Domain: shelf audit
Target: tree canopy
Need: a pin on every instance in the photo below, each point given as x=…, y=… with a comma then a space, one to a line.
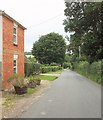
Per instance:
x=50, y=48
x=27, y=53
x=84, y=19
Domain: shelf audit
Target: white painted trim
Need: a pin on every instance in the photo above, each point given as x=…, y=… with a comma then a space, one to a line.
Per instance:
x=16, y=65
x=16, y=58
x=16, y=35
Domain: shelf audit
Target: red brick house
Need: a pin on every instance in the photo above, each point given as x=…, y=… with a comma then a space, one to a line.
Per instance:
x=11, y=48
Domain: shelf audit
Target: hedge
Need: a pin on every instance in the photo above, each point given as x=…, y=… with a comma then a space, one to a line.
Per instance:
x=91, y=71
x=67, y=65
x=32, y=68
x=45, y=69
x=95, y=71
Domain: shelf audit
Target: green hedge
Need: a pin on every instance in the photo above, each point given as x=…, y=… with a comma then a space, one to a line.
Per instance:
x=32, y=68
x=82, y=67
x=95, y=71
x=37, y=68
x=46, y=69
x=91, y=71
x=102, y=72
x=66, y=65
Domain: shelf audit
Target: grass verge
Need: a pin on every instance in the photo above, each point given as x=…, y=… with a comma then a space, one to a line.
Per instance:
x=31, y=90
x=49, y=78
x=56, y=72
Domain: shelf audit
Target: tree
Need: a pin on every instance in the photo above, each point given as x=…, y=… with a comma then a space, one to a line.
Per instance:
x=85, y=20
x=32, y=59
x=50, y=48
x=27, y=53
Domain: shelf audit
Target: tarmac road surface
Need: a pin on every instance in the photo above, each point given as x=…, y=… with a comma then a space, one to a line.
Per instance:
x=70, y=96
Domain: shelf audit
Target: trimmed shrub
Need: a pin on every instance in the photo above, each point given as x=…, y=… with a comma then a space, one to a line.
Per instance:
x=66, y=65
x=95, y=71
x=37, y=69
x=46, y=69
x=83, y=67
x=32, y=68
x=92, y=71
x=60, y=68
x=102, y=72
x=33, y=81
x=28, y=69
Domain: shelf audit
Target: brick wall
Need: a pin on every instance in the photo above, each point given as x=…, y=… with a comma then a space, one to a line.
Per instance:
x=9, y=49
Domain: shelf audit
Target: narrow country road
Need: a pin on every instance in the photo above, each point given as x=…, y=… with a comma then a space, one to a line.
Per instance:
x=70, y=96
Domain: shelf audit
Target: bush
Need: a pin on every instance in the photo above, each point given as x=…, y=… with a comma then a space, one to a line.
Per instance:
x=32, y=68
x=28, y=69
x=37, y=69
x=60, y=68
x=17, y=80
x=92, y=71
x=66, y=65
x=54, y=64
x=95, y=71
x=46, y=69
x=102, y=72
x=83, y=67
x=33, y=81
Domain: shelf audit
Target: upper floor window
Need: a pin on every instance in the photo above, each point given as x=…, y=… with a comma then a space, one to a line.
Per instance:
x=15, y=34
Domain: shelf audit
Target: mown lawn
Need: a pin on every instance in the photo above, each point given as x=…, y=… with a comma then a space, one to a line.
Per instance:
x=45, y=77
x=56, y=72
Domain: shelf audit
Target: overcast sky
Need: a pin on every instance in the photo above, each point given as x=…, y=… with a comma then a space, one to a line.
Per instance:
x=40, y=17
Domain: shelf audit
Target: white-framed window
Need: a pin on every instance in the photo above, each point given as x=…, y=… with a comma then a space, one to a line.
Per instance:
x=15, y=63
x=15, y=34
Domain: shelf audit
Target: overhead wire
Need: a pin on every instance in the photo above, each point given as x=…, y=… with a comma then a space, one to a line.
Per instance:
x=45, y=21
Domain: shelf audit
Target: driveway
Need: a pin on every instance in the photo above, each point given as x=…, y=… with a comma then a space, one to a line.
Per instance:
x=70, y=96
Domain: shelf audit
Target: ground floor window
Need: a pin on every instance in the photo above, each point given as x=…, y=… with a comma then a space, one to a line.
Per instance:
x=15, y=63
x=15, y=66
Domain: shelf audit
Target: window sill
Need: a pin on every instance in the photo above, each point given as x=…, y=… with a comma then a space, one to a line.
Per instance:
x=15, y=44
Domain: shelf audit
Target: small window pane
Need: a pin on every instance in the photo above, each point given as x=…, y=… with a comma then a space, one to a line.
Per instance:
x=15, y=39
x=14, y=70
x=15, y=66
x=14, y=30
x=14, y=63
x=15, y=34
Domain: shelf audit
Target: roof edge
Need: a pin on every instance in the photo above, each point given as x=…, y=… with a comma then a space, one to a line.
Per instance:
x=6, y=15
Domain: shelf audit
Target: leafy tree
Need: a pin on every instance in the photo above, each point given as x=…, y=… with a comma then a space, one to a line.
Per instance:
x=84, y=19
x=27, y=53
x=32, y=59
x=49, y=49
